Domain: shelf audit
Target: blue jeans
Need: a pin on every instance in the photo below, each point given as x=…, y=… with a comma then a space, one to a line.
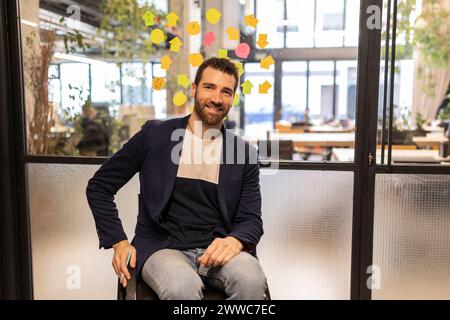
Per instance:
x=176, y=275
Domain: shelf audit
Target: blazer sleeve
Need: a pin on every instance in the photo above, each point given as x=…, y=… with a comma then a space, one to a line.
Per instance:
x=247, y=225
x=106, y=182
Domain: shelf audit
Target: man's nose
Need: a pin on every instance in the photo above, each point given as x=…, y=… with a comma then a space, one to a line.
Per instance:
x=216, y=97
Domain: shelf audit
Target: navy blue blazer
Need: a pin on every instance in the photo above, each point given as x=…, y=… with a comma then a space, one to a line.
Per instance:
x=149, y=152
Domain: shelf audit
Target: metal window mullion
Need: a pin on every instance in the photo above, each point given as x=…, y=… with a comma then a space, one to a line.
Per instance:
x=385, y=87
x=391, y=82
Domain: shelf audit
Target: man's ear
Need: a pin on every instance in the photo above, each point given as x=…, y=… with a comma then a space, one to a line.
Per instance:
x=193, y=90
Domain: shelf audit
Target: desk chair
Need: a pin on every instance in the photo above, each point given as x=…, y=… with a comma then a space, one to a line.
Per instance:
x=139, y=290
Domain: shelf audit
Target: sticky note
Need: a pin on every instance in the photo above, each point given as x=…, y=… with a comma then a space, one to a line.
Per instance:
x=209, y=38
x=263, y=88
x=251, y=21
x=148, y=18
x=193, y=28
x=267, y=62
x=240, y=67
x=158, y=83
x=233, y=33
x=222, y=53
x=175, y=44
x=247, y=87
x=166, y=62
x=242, y=50
x=195, y=59
x=262, y=41
x=236, y=99
x=183, y=80
x=213, y=16
x=172, y=19
x=179, y=99
x=157, y=36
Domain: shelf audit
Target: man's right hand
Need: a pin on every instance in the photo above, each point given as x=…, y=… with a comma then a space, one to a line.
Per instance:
x=121, y=251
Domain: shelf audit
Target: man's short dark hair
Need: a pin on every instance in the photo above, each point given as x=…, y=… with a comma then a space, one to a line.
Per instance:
x=221, y=64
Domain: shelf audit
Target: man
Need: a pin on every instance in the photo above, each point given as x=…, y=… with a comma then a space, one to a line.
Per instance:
x=199, y=217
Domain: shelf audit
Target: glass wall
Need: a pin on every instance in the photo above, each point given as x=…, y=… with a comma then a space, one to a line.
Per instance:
x=411, y=243
x=305, y=251
x=101, y=78
x=415, y=83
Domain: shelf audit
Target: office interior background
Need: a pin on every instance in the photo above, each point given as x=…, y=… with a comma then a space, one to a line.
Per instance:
x=355, y=93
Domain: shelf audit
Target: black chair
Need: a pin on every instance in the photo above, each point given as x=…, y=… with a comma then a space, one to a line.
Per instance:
x=139, y=290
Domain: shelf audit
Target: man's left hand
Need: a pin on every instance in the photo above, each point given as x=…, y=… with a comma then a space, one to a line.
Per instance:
x=220, y=251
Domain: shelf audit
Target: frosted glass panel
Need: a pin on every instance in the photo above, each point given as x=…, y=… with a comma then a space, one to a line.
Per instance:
x=305, y=250
x=412, y=236
x=67, y=263
x=306, y=247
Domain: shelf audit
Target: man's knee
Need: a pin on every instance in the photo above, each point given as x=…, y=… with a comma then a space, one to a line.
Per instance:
x=187, y=288
x=246, y=278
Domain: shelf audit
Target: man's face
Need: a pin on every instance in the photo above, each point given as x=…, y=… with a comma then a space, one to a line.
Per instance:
x=213, y=96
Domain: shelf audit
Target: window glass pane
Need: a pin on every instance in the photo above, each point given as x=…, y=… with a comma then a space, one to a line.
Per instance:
x=133, y=84
x=74, y=86
x=300, y=15
x=258, y=107
x=105, y=79
x=329, y=23
x=352, y=23
x=159, y=97
x=271, y=16
x=294, y=86
x=320, y=95
x=346, y=89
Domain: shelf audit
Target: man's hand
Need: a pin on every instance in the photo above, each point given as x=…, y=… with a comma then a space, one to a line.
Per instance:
x=220, y=251
x=121, y=251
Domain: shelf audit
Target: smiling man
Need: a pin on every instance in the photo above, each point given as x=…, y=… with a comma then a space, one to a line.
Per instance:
x=200, y=214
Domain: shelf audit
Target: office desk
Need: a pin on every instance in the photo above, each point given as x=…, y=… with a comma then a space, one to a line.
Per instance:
x=398, y=156
x=431, y=140
x=320, y=140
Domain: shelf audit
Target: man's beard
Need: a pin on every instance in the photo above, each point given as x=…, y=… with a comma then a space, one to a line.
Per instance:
x=207, y=118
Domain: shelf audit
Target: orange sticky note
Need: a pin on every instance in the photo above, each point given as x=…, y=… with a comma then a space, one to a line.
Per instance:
x=195, y=59
x=158, y=83
x=193, y=28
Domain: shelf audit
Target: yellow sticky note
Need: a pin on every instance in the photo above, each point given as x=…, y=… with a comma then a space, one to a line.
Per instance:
x=183, y=80
x=195, y=59
x=175, y=44
x=179, y=99
x=213, y=16
x=166, y=62
x=172, y=19
x=193, y=28
x=157, y=36
x=247, y=87
x=222, y=53
x=158, y=83
x=233, y=33
x=240, y=67
x=148, y=18
x=236, y=99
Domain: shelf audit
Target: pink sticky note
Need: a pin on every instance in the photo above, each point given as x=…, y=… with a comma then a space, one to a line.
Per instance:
x=209, y=38
x=242, y=50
